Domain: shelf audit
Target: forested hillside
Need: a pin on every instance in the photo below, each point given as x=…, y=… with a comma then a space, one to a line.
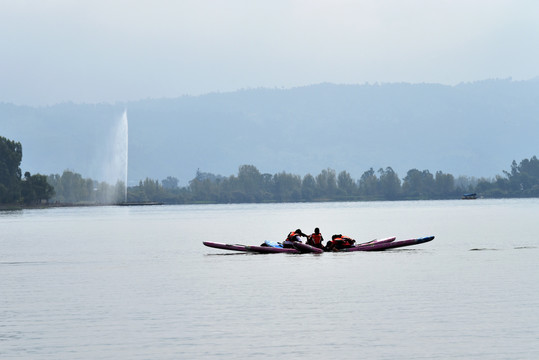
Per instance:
x=472, y=129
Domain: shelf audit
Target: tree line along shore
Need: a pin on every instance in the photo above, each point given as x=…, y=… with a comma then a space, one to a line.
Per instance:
x=249, y=185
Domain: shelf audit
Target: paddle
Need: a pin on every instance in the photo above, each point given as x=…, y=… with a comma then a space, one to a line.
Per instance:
x=367, y=242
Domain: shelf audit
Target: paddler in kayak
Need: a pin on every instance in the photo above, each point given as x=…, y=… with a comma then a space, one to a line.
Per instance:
x=315, y=239
x=339, y=242
x=294, y=236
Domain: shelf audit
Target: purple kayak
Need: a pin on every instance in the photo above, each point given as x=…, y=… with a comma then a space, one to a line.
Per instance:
x=394, y=244
x=250, y=248
x=301, y=248
x=271, y=250
x=306, y=248
x=359, y=247
x=235, y=247
x=374, y=245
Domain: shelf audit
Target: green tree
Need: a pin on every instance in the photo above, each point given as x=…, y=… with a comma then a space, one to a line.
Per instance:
x=151, y=190
x=10, y=172
x=501, y=187
x=389, y=184
x=418, y=184
x=267, y=187
x=170, y=183
x=250, y=182
x=136, y=193
x=346, y=184
x=308, y=187
x=465, y=184
x=524, y=177
x=73, y=187
x=484, y=186
x=287, y=187
x=35, y=189
x=206, y=187
x=444, y=185
x=368, y=185
x=326, y=183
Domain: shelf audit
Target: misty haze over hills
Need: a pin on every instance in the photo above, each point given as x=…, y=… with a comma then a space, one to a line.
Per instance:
x=473, y=129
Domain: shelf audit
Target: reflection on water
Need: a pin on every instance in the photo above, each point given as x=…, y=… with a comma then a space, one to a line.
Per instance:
x=137, y=283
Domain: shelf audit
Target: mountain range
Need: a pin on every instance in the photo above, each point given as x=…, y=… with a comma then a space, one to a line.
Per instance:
x=472, y=129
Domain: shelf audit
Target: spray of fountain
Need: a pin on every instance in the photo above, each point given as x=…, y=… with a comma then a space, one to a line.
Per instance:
x=126, y=151
x=115, y=169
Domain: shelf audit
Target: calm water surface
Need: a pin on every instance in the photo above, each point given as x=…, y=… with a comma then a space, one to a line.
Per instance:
x=137, y=283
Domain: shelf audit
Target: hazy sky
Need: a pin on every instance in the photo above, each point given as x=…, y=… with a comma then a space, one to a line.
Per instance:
x=94, y=51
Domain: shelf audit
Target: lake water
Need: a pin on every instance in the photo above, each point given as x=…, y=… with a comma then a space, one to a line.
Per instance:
x=137, y=283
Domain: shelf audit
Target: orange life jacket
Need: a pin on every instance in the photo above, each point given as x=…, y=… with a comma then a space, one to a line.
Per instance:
x=345, y=240
x=292, y=236
x=316, y=238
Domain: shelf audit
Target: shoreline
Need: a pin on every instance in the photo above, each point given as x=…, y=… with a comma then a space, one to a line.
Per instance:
x=8, y=207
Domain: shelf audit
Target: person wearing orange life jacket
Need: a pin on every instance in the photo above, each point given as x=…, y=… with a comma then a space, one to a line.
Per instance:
x=294, y=236
x=315, y=239
x=339, y=242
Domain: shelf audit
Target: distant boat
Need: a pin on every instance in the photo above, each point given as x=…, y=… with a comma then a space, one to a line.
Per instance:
x=472, y=196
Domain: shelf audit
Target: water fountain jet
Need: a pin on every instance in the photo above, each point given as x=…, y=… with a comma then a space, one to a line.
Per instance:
x=115, y=169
